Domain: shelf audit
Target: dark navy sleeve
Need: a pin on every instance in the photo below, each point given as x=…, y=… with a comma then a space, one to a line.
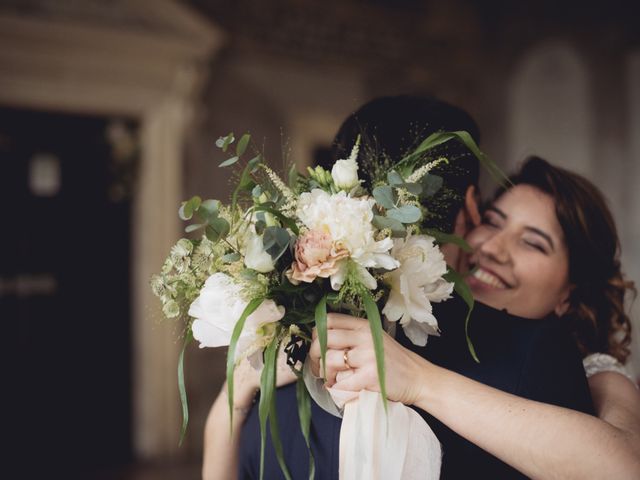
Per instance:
x=325, y=437
x=553, y=372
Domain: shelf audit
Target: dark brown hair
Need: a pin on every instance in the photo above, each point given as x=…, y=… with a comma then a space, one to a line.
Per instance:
x=596, y=303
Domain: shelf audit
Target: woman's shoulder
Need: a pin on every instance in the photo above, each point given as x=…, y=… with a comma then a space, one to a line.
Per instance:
x=603, y=362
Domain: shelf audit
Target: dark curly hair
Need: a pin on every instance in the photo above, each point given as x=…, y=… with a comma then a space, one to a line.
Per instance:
x=596, y=303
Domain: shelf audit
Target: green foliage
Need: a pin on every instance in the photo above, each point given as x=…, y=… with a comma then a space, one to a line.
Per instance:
x=267, y=408
x=231, y=353
x=431, y=184
x=276, y=241
x=224, y=142
x=375, y=323
x=229, y=161
x=304, y=414
x=462, y=289
x=385, y=196
x=321, y=326
x=181, y=386
x=396, y=227
x=405, y=214
x=443, y=238
x=242, y=144
x=186, y=210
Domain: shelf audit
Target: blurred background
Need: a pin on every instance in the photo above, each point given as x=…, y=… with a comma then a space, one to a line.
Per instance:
x=109, y=110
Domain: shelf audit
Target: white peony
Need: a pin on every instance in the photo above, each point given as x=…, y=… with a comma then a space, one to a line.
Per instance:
x=255, y=256
x=414, y=285
x=348, y=221
x=217, y=310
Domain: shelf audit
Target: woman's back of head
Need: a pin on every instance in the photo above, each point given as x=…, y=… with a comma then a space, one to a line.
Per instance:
x=391, y=127
x=596, y=303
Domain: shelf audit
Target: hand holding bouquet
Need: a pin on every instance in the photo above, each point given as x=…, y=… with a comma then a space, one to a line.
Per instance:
x=269, y=264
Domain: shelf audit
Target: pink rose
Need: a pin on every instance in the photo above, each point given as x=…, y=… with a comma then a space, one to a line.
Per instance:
x=316, y=256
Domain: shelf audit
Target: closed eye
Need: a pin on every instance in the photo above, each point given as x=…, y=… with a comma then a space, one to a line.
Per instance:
x=536, y=246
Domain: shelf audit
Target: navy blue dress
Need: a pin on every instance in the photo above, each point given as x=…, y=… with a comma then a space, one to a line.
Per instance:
x=534, y=359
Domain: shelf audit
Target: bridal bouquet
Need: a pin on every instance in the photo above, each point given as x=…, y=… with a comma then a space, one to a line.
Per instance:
x=266, y=267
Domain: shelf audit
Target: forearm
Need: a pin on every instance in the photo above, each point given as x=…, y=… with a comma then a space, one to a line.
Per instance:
x=540, y=440
x=222, y=443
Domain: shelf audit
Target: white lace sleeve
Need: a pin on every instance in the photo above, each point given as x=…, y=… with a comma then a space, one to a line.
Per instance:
x=602, y=362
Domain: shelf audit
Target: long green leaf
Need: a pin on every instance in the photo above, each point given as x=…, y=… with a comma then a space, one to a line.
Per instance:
x=181, y=387
x=273, y=419
x=462, y=289
x=375, y=323
x=304, y=414
x=442, y=238
x=249, y=309
x=321, y=325
x=439, y=138
x=267, y=404
x=497, y=174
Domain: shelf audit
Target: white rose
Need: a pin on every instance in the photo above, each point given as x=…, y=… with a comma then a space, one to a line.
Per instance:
x=255, y=256
x=414, y=285
x=345, y=174
x=219, y=307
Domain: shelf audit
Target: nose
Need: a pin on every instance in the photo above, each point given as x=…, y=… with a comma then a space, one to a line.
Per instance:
x=496, y=247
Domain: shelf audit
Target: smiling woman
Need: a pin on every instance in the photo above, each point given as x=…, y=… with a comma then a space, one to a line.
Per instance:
x=549, y=244
x=520, y=257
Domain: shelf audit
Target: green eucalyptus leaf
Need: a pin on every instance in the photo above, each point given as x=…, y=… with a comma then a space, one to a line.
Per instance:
x=209, y=210
x=242, y=144
x=394, y=178
x=217, y=229
x=394, y=225
x=431, y=184
x=257, y=191
x=184, y=212
x=275, y=241
x=194, y=227
x=229, y=161
x=385, y=196
x=189, y=207
x=231, y=257
x=375, y=323
x=405, y=214
x=224, y=142
x=462, y=288
x=413, y=188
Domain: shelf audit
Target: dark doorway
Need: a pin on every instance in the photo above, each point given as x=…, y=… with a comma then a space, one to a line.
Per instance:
x=64, y=296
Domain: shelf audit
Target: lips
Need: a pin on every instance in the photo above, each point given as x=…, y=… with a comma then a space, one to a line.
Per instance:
x=489, y=278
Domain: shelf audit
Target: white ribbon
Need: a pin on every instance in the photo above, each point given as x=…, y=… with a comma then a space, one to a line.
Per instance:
x=374, y=445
